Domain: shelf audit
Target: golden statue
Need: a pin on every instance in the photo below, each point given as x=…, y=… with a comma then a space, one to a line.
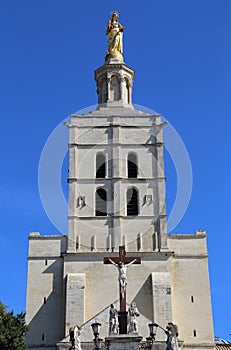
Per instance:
x=114, y=34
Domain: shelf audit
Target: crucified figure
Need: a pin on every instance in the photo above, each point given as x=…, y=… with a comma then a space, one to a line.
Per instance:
x=122, y=268
x=122, y=262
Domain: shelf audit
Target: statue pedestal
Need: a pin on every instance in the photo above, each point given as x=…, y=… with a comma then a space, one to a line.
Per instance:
x=123, y=342
x=123, y=322
x=114, y=55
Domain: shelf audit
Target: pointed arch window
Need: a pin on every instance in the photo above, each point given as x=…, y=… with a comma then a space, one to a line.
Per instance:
x=100, y=166
x=132, y=165
x=132, y=201
x=101, y=202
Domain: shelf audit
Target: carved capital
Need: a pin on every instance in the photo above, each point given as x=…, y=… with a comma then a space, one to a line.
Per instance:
x=121, y=79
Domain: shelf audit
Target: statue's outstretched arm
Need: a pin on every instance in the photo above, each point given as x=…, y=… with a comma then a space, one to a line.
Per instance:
x=132, y=262
x=113, y=262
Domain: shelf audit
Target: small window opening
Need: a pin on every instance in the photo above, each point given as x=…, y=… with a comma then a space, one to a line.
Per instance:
x=192, y=299
x=194, y=333
x=101, y=202
x=132, y=202
x=44, y=300
x=132, y=165
x=100, y=166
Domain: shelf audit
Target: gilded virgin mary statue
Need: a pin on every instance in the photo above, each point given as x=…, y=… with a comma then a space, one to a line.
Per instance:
x=114, y=34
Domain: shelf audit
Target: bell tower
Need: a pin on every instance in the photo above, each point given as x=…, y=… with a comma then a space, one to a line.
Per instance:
x=116, y=171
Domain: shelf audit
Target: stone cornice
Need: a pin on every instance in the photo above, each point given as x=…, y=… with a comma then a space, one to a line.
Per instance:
x=112, y=113
x=197, y=235
x=113, y=67
x=44, y=237
x=106, y=123
x=123, y=145
x=45, y=257
x=124, y=217
x=123, y=179
x=190, y=256
x=94, y=254
x=199, y=345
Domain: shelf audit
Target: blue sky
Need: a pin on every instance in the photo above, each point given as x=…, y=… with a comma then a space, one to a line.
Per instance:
x=180, y=51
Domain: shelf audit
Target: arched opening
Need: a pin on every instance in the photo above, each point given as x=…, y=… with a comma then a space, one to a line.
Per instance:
x=104, y=92
x=114, y=89
x=100, y=166
x=126, y=93
x=101, y=202
x=132, y=165
x=132, y=202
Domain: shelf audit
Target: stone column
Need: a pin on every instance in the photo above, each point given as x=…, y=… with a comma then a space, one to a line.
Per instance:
x=122, y=90
x=129, y=87
x=159, y=174
x=75, y=299
x=108, y=89
x=72, y=203
x=161, y=293
x=116, y=173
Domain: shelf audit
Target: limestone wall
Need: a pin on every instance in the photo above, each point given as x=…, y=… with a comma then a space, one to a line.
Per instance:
x=45, y=293
x=191, y=288
x=76, y=288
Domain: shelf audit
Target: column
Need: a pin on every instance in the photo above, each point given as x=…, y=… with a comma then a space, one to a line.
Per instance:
x=161, y=294
x=75, y=299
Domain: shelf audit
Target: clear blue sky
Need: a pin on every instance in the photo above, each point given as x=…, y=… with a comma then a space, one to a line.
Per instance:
x=181, y=53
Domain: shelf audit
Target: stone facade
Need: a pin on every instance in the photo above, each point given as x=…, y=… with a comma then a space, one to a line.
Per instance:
x=117, y=197
x=116, y=137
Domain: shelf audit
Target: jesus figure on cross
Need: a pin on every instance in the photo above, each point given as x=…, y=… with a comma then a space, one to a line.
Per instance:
x=122, y=262
x=122, y=268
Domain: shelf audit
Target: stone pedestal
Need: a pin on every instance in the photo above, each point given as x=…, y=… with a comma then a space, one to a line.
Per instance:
x=123, y=342
x=123, y=325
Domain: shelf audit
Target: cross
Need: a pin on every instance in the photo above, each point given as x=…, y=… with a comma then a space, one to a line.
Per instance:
x=121, y=263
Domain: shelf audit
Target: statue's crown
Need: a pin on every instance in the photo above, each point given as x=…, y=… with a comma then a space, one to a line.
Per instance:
x=114, y=12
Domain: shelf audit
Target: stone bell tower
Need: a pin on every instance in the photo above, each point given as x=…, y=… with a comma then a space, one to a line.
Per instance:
x=116, y=163
x=117, y=199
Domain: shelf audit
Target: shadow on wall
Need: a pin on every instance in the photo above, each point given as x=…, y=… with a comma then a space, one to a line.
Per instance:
x=145, y=294
x=47, y=326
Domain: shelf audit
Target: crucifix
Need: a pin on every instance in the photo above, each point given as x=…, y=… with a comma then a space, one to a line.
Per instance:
x=122, y=262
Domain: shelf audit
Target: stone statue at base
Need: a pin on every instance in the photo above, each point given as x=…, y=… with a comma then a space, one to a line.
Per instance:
x=113, y=320
x=74, y=333
x=133, y=312
x=172, y=334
